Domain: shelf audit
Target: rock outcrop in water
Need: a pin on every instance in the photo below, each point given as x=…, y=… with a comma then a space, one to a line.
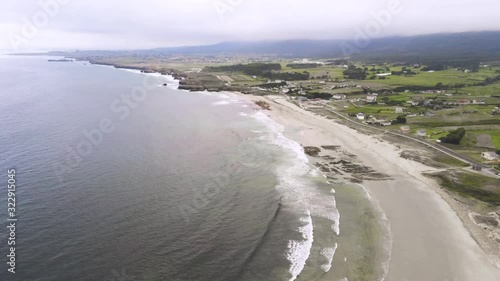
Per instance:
x=312, y=150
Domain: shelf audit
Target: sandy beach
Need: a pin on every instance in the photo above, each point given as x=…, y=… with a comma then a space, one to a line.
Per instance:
x=429, y=240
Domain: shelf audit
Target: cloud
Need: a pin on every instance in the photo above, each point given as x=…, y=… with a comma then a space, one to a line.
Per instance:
x=114, y=24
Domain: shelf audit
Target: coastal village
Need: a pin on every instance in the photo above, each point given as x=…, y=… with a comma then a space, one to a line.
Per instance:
x=410, y=105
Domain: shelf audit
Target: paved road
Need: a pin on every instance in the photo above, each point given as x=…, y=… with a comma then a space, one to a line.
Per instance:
x=435, y=146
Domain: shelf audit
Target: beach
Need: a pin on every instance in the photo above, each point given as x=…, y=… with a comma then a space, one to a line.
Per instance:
x=217, y=186
x=429, y=241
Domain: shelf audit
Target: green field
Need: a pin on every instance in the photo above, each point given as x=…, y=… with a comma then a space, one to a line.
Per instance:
x=471, y=137
x=472, y=185
x=447, y=77
x=483, y=91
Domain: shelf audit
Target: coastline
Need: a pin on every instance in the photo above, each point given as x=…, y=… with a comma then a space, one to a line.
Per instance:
x=432, y=238
x=430, y=241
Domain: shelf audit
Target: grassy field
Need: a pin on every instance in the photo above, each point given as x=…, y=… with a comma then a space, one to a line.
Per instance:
x=447, y=77
x=471, y=138
x=453, y=162
x=380, y=111
x=482, y=91
x=471, y=185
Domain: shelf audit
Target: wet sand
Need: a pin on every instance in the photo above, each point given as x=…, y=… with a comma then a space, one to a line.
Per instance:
x=429, y=241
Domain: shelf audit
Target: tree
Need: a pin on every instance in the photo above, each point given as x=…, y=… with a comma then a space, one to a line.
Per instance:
x=401, y=119
x=355, y=73
x=454, y=137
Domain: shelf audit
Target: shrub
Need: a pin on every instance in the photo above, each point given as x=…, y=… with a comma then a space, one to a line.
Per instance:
x=454, y=137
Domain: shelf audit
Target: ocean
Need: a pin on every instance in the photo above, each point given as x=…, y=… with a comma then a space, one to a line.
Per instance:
x=122, y=178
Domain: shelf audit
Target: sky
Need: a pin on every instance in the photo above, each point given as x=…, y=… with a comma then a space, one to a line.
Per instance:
x=41, y=25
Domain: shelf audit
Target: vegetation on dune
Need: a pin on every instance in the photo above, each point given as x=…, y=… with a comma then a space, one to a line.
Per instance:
x=471, y=185
x=448, y=160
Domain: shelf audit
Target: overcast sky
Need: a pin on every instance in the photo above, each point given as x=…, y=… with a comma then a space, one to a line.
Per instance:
x=127, y=24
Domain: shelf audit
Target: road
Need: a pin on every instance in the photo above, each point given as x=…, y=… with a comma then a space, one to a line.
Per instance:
x=432, y=145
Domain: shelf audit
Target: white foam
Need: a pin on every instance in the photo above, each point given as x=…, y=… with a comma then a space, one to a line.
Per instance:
x=130, y=70
x=220, y=95
x=222, y=102
x=299, y=191
x=225, y=100
x=314, y=172
x=243, y=114
x=366, y=192
x=387, y=243
x=299, y=251
x=328, y=253
x=172, y=83
x=336, y=214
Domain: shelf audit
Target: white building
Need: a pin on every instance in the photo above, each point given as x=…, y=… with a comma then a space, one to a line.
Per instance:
x=339, y=97
x=490, y=156
x=371, y=98
x=404, y=129
x=421, y=133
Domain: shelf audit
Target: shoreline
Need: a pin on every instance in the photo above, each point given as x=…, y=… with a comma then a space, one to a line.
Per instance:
x=442, y=231
x=430, y=239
